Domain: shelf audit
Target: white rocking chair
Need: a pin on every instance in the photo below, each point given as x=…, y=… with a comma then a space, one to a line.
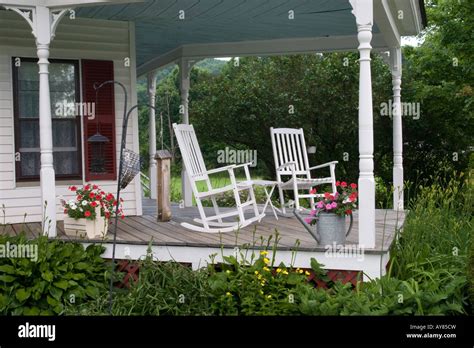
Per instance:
x=291, y=160
x=196, y=171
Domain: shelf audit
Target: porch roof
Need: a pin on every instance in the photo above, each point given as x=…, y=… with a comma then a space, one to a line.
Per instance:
x=213, y=28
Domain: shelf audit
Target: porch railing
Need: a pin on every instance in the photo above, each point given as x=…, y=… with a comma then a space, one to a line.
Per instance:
x=145, y=182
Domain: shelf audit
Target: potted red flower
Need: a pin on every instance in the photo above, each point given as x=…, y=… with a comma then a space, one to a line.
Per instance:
x=329, y=214
x=89, y=212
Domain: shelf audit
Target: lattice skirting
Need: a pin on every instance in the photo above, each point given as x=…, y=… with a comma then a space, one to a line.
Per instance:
x=131, y=270
x=343, y=276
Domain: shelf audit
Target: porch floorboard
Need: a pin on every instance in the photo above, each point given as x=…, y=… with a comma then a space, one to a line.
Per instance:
x=141, y=230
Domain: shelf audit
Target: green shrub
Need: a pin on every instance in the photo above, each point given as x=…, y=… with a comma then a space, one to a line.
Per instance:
x=436, y=239
x=58, y=274
x=471, y=274
x=437, y=231
x=387, y=296
x=163, y=288
x=383, y=194
x=257, y=288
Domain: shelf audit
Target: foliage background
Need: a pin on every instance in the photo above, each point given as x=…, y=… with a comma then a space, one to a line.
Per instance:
x=235, y=103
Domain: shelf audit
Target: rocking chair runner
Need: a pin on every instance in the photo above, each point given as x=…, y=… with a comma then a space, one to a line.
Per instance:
x=291, y=160
x=196, y=171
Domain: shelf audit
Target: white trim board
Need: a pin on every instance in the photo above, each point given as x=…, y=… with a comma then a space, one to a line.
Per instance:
x=260, y=48
x=199, y=257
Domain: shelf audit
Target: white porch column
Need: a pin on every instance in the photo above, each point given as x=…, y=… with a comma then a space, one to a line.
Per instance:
x=152, y=133
x=396, y=70
x=185, y=67
x=363, y=11
x=43, y=22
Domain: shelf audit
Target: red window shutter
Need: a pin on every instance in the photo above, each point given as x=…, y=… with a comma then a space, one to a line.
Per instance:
x=96, y=72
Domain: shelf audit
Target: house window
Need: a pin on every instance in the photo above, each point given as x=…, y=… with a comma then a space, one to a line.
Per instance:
x=64, y=92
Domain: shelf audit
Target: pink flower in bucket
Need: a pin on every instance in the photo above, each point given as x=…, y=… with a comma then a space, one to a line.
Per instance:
x=341, y=202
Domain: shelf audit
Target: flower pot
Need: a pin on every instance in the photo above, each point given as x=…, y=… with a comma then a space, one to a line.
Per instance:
x=101, y=227
x=93, y=229
x=331, y=228
x=78, y=227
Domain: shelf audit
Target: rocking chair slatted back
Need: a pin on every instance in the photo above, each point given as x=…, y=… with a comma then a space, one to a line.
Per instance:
x=191, y=152
x=289, y=146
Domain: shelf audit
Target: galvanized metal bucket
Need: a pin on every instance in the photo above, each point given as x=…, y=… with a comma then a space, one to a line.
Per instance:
x=330, y=228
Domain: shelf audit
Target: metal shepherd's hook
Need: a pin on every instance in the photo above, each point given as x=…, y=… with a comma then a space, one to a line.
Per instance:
x=126, y=116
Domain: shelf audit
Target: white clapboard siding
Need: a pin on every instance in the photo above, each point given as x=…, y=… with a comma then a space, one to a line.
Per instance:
x=75, y=39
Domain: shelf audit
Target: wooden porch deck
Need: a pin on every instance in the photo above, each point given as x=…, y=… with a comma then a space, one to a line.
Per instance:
x=140, y=230
x=170, y=241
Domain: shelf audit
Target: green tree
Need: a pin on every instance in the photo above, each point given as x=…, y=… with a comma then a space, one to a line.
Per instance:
x=439, y=75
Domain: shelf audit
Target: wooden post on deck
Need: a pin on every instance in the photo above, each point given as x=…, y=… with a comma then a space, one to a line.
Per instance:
x=163, y=165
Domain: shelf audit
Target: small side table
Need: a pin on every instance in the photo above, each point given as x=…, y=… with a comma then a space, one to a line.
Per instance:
x=268, y=185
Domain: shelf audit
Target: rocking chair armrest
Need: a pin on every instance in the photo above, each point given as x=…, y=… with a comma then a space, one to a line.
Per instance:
x=324, y=165
x=287, y=164
x=235, y=166
x=220, y=169
x=229, y=167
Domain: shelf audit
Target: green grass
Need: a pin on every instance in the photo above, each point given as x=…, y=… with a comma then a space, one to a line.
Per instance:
x=434, y=247
x=217, y=181
x=438, y=229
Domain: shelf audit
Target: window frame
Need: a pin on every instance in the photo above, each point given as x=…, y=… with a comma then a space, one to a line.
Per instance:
x=16, y=124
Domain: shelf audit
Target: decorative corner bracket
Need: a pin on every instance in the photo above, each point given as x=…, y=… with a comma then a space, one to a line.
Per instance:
x=28, y=14
x=363, y=10
x=34, y=16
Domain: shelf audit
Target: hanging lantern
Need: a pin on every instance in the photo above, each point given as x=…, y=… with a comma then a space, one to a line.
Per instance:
x=97, y=151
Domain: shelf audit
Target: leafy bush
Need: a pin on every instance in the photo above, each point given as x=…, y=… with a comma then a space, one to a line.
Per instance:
x=471, y=274
x=58, y=274
x=436, y=239
x=437, y=231
x=258, y=288
x=387, y=296
x=163, y=288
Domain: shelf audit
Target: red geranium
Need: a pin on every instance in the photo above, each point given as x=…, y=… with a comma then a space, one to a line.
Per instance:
x=353, y=186
x=89, y=201
x=343, y=184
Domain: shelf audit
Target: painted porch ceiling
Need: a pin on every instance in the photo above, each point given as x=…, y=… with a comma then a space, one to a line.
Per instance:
x=159, y=29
